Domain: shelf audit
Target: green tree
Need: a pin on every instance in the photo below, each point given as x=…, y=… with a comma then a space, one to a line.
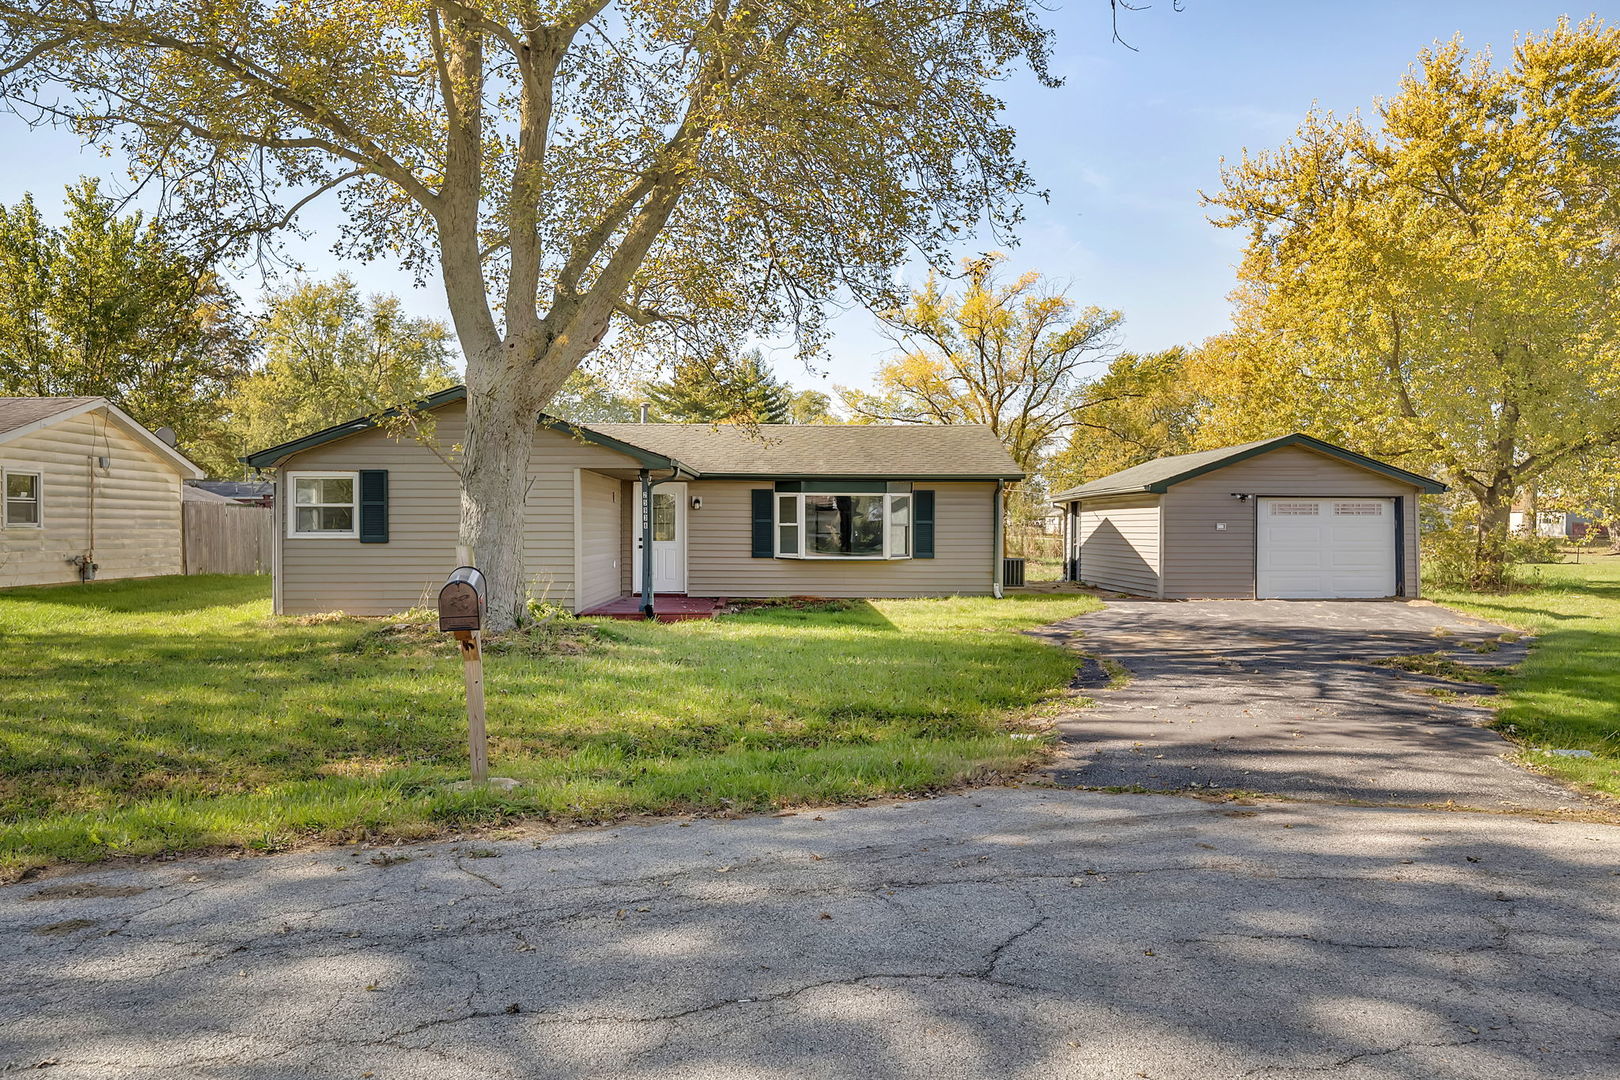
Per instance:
x=588, y=397
x=1443, y=288
x=811, y=407
x=330, y=355
x=1015, y=357
x=577, y=171
x=720, y=388
x=1144, y=406
x=112, y=305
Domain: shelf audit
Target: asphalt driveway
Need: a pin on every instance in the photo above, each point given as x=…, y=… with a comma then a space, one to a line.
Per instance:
x=1011, y=933
x=1283, y=698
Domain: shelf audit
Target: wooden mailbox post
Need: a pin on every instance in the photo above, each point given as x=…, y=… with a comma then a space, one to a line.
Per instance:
x=461, y=612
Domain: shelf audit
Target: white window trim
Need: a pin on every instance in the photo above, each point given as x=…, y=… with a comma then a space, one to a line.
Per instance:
x=39, y=500
x=804, y=551
x=353, y=533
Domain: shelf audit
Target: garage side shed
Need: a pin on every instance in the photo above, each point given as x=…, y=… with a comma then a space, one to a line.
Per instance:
x=1290, y=518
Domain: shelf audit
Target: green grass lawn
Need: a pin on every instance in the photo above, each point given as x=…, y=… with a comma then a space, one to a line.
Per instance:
x=176, y=713
x=1566, y=695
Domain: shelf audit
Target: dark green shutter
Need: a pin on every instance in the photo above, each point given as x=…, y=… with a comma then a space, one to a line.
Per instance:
x=374, y=506
x=922, y=528
x=764, y=523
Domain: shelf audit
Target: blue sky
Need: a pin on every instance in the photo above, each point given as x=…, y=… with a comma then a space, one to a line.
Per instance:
x=1123, y=147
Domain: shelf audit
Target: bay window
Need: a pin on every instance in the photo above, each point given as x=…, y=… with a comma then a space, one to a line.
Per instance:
x=853, y=524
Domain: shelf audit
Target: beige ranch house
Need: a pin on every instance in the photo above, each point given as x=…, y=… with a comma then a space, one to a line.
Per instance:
x=1286, y=518
x=86, y=492
x=367, y=521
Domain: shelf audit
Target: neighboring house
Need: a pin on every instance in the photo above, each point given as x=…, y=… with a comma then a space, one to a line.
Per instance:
x=368, y=522
x=88, y=492
x=246, y=492
x=1291, y=517
x=196, y=493
x=1558, y=524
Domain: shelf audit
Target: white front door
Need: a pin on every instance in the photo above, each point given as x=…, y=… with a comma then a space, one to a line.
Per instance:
x=668, y=539
x=1325, y=549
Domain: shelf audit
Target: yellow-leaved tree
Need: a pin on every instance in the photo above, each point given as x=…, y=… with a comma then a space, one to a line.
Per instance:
x=1014, y=356
x=576, y=171
x=1441, y=287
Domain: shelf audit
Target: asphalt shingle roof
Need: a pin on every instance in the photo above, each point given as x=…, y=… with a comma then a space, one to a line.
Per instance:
x=874, y=451
x=870, y=450
x=1161, y=473
x=16, y=412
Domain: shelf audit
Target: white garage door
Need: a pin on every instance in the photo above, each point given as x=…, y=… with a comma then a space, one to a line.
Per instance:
x=1325, y=549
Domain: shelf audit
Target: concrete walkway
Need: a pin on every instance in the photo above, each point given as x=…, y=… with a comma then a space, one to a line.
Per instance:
x=1004, y=933
x=1282, y=698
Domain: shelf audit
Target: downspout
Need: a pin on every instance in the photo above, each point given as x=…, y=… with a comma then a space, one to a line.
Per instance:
x=647, y=485
x=647, y=612
x=998, y=548
x=1077, y=508
x=1073, y=553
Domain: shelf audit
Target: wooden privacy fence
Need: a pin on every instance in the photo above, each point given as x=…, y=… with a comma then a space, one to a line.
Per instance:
x=227, y=538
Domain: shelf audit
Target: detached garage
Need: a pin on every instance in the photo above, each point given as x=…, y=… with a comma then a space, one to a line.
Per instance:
x=1285, y=518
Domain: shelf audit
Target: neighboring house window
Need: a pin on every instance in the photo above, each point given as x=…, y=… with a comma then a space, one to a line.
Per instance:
x=22, y=500
x=832, y=525
x=323, y=505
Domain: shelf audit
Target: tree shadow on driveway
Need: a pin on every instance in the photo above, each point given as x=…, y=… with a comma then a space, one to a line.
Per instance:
x=1289, y=699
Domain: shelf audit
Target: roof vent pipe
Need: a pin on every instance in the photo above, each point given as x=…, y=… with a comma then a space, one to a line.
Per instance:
x=644, y=408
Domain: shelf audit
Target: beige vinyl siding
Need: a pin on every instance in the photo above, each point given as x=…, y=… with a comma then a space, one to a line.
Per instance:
x=719, y=560
x=1119, y=543
x=137, y=526
x=548, y=551
x=629, y=494
x=600, y=533
x=1205, y=562
x=581, y=523
x=424, y=512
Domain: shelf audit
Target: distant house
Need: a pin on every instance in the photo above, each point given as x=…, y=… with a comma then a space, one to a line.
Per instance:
x=246, y=492
x=1556, y=524
x=88, y=493
x=1286, y=518
x=368, y=522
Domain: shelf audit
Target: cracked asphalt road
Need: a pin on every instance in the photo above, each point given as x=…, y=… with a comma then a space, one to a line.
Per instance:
x=1281, y=697
x=1003, y=933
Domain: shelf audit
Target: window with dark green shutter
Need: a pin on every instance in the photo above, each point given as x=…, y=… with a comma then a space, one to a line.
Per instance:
x=374, y=506
x=922, y=543
x=832, y=519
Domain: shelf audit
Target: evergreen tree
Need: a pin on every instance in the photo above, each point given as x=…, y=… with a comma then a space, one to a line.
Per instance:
x=113, y=306
x=720, y=389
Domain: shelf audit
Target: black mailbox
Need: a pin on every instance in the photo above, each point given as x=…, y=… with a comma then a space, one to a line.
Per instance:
x=461, y=600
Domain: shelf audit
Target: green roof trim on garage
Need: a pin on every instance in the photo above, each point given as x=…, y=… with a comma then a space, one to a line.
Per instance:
x=1157, y=477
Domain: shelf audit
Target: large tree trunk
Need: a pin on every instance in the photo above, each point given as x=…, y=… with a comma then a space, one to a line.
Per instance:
x=501, y=416
x=1491, y=542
